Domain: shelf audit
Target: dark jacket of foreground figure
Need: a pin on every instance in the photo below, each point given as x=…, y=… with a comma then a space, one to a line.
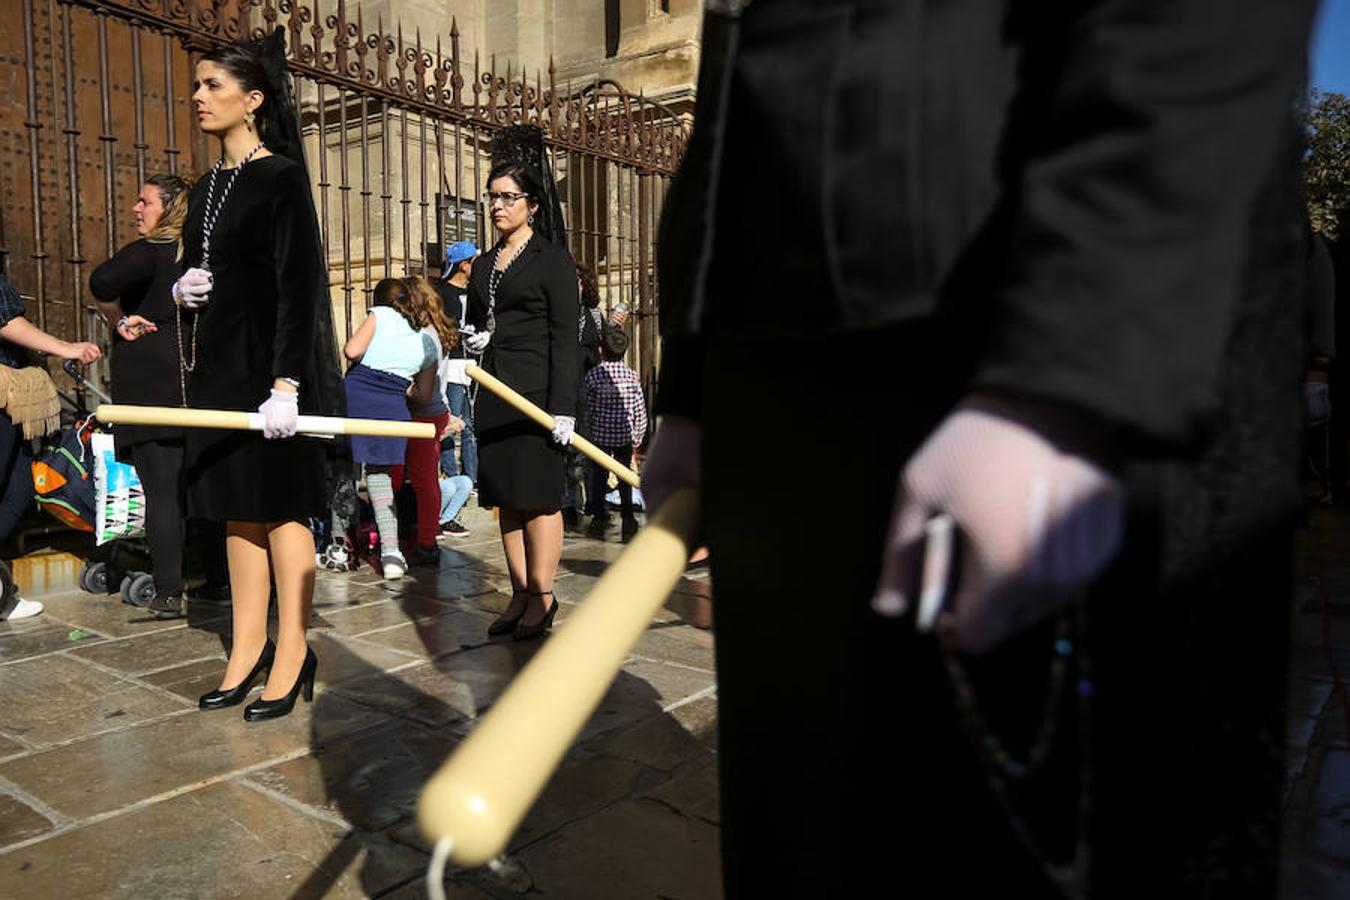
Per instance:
x=1092, y=206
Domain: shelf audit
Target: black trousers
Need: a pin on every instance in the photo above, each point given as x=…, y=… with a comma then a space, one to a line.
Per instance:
x=160, y=465
x=16, y=493
x=597, y=484
x=846, y=767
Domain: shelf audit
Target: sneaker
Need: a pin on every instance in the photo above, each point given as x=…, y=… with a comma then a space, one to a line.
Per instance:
x=167, y=606
x=630, y=528
x=454, y=529
x=395, y=566
x=597, y=527
x=425, y=556
x=20, y=609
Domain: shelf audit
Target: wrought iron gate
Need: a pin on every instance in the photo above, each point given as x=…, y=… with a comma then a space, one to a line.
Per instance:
x=396, y=138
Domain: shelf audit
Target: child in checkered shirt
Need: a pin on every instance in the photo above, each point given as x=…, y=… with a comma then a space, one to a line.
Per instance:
x=617, y=424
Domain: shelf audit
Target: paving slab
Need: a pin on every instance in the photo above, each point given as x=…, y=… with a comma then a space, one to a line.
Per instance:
x=38, y=636
x=454, y=688
x=57, y=698
x=370, y=780
x=19, y=821
x=119, y=768
x=224, y=840
x=108, y=615
x=632, y=849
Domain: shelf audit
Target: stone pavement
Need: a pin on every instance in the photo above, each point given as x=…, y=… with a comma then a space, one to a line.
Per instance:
x=112, y=784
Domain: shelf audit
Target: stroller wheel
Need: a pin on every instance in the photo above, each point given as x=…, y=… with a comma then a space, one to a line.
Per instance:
x=128, y=580
x=139, y=590
x=94, y=578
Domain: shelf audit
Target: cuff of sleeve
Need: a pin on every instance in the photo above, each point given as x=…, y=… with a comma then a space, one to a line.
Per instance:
x=680, y=383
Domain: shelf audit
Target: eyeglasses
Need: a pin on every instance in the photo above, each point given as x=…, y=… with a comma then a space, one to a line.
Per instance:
x=508, y=198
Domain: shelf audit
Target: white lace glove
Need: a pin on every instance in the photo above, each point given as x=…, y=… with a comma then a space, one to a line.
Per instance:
x=193, y=288
x=477, y=341
x=673, y=461
x=563, y=427
x=280, y=413
x=1037, y=524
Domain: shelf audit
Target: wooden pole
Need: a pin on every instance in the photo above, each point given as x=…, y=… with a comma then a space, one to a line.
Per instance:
x=118, y=414
x=480, y=794
x=544, y=420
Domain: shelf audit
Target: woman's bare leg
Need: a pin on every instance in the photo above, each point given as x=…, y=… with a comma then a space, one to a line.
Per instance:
x=292, y=546
x=250, y=587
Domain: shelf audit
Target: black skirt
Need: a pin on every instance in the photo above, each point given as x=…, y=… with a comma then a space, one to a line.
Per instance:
x=243, y=477
x=519, y=465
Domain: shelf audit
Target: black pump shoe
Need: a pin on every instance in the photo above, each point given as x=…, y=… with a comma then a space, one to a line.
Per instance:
x=235, y=695
x=274, y=709
x=525, y=632
x=504, y=625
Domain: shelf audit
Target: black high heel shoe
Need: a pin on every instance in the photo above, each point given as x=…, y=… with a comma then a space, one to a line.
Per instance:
x=504, y=625
x=274, y=709
x=235, y=695
x=525, y=632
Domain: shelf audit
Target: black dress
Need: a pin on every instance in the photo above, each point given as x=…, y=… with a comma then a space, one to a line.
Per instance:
x=264, y=321
x=534, y=349
x=145, y=372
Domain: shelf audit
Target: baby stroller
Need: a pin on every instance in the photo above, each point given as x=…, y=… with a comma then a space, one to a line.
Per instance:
x=63, y=484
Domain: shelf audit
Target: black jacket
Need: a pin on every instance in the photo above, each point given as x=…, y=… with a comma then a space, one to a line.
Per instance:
x=534, y=346
x=1063, y=186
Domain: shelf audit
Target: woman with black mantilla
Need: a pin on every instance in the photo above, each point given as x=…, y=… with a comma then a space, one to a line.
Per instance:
x=523, y=312
x=263, y=333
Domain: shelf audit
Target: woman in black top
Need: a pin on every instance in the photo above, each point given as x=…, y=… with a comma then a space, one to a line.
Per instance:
x=262, y=334
x=523, y=308
x=133, y=292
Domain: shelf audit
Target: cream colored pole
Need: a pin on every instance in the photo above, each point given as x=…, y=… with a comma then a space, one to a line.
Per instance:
x=479, y=796
x=118, y=414
x=544, y=420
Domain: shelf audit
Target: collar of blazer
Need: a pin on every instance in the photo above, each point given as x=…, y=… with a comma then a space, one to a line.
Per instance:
x=527, y=255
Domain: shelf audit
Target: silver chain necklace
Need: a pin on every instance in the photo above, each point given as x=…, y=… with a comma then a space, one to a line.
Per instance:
x=495, y=279
x=213, y=212
x=187, y=362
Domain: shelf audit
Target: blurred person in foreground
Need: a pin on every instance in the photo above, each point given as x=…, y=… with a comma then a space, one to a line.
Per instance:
x=1041, y=256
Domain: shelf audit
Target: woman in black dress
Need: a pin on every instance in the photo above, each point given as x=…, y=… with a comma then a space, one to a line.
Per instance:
x=524, y=311
x=262, y=335
x=133, y=293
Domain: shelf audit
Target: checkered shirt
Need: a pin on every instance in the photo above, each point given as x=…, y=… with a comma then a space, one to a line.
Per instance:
x=614, y=402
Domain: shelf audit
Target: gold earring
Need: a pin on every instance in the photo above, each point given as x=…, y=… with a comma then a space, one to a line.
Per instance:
x=248, y=119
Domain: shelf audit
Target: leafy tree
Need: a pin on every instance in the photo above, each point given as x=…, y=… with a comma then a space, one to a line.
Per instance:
x=1327, y=166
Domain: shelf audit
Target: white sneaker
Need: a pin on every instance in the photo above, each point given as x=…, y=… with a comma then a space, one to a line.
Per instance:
x=22, y=609
x=395, y=566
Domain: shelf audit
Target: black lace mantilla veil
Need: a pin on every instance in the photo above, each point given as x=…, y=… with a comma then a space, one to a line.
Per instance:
x=281, y=134
x=524, y=144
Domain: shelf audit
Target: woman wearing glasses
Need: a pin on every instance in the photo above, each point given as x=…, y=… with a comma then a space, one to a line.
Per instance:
x=523, y=314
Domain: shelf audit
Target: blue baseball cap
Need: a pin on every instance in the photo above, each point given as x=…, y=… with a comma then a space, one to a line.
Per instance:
x=457, y=252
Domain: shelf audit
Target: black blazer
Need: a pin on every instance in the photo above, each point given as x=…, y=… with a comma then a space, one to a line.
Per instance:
x=534, y=346
x=1065, y=186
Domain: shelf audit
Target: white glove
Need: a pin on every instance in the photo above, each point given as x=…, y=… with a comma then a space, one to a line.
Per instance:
x=1037, y=524
x=673, y=461
x=193, y=288
x=563, y=426
x=280, y=413
x=477, y=341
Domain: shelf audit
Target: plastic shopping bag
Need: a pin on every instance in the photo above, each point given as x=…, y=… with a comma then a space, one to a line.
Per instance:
x=119, y=498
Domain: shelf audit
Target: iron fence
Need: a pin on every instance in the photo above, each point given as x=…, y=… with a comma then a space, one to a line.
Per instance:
x=396, y=131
